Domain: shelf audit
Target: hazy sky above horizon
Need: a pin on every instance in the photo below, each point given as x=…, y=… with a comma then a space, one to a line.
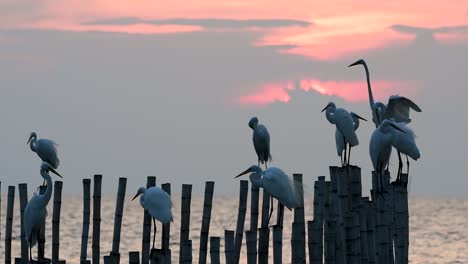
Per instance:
x=137, y=88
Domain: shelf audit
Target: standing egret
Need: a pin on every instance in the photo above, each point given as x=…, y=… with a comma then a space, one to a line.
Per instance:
x=398, y=107
x=277, y=184
x=344, y=123
x=405, y=143
x=261, y=141
x=45, y=149
x=158, y=204
x=340, y=140
x=35, y=211
x=380, y=147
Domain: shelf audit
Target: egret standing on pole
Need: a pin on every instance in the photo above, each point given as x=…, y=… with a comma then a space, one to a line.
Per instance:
x=158, y=204
x=261, y=141
x=277, y=184
x=405, y=143
x=35, y=212
x=340, y=140
x=345, y=126
x=45, y=149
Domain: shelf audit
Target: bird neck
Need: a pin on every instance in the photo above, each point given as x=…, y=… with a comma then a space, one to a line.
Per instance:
x=256, y=179
x=142, y=199
x=356, y=122
x=32, y=144
x=48, y=193
x=369, y=89
x=330, y=114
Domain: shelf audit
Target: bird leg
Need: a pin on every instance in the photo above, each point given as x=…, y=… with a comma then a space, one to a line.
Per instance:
x=407, y=163
x=349, y=154
x=345, y=146
x=271, y=210
x=400, y=167
x=154, y=232
x=30, y=251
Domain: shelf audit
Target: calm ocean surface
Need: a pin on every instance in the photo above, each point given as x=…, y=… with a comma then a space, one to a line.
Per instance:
x=438, y=228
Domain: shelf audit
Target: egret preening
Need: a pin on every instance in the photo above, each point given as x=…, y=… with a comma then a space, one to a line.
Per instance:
x=35, y=212
x=405, y=143
x=345, y=125
x=158, y=204
x=45, y=149
x=398, y=107
x=340, y=140
x=261, y=141
x=277, y=184
x=380, y=147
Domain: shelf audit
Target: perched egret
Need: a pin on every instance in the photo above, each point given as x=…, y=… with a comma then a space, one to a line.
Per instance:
x=45, y=149
x=345, y=124
x=405, y=143
x=340, y=140
x=277, y=184
x=380, y=146
x=398, y=107
x=35, y=211
x=261, y=141
x=158, y=204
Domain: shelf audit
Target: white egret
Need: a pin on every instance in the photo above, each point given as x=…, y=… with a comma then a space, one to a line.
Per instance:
x=340, y=140
x=35, y=212
x=380, y=146
x=45, y=149
x=398, y=107
x=405, y=143
x=278, y=184
x=344, y=123
x=261, y=141
x=158, y=204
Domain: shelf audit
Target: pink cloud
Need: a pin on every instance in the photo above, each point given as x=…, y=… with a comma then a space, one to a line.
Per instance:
x=352, y=91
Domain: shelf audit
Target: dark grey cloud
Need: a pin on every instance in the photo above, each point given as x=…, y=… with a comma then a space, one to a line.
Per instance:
x=429, y=32
x=206, y=22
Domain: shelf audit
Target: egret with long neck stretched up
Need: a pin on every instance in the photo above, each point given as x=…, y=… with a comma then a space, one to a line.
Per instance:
x=36, y=209
x=345, y=124
x=158, y=204
x=278, y=184
x=261, y=141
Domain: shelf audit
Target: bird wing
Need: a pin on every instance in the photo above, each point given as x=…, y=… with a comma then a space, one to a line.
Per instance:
x=34, y=217
x=345, y=123
x=159, y=204
x=339, y=142
x=261, y=141
x=398, y=108
x=47, y=151
x=282, y=187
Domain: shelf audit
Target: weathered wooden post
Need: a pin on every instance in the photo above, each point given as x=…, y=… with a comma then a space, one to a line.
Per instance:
x=243, y=192
x=86, y=218
x=134, y=257
x=264, y=231
x=214, y=250
x=115, y=254
x=185, y=218
x=298, y=227
x=56, y=222
x=166, y=231
x=229, y=246
x=9, y=223
x=251, y=241
x=146, y=236
x=23, y=193
x=205, y=226
x=96, y=218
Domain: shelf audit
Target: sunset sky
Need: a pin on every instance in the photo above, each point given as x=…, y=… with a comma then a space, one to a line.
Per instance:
x=136, y=88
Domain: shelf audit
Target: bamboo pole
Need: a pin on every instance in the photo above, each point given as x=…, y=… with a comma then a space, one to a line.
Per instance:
x=185, y=219
x=314, y=241
x=319, y=216
x=146, y=236
x=115, y=254
x=328, y=216
x=96, y=218
x=166, y=230
x=205, y=226
x=264, y=231
x=214, y=250
x=134, y=257
x=254, y=207
x=23, y=193
x=298, y=230
x=277, y=244
x=56, y=221
x=251, y=241
x=9, y=223
x=339, y=196
x=364, y=229
x=41, y=238
x=86, y=217
x=187, y=253
x=229, y=246
x=372, y=231
x=243, y=192
x=330, y=248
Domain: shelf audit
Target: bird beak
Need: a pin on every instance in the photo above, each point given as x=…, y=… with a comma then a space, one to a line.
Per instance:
x=356, y=63
x=136, y=195
x=243, y=173
x=325, y=108
x=29, y=140
x=55, y=172
x=360, y=117
x=398, y=128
